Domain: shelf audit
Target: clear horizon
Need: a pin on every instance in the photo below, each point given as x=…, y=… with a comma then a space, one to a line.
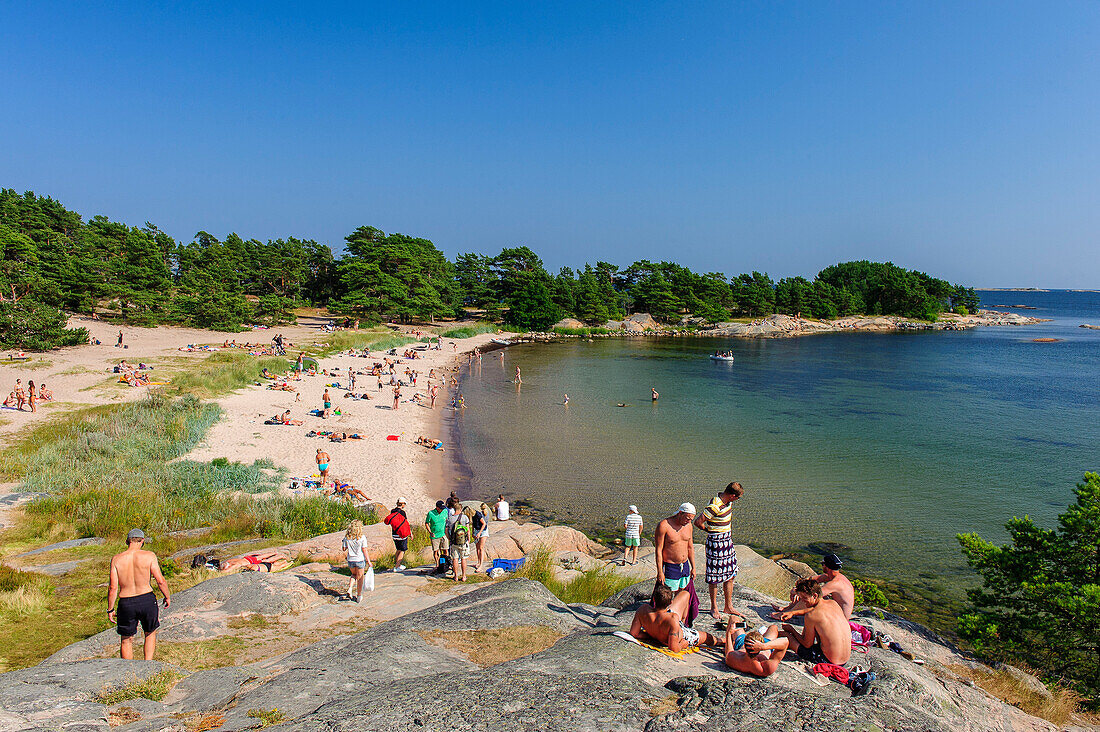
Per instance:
x=957, y=140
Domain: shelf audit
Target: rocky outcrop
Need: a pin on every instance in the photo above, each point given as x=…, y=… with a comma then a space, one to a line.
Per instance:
x=397, y=675
x=568, y=323
x=640, y=322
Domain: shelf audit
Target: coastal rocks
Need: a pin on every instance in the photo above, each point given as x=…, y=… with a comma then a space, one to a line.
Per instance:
x=509, y=673
x=568, y=323
x=639, y=322
x=1090, y=327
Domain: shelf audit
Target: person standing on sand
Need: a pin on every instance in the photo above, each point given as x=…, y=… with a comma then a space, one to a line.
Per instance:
x=32, y=396
x=322, y=464
x=326, y=403
x=396, y=395
x=633, y=538
x=129, y=584
x=717, y=519
x=20, y=395
x=119, y=344
x=298, y=366
x=675, y=555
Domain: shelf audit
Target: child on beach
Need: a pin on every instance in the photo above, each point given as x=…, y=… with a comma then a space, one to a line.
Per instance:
x=355, y=547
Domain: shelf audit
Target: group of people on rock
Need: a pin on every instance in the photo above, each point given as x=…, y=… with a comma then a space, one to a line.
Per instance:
x=823, y=602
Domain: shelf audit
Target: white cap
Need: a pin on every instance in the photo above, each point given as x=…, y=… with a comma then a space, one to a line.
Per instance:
x=687, y=508
x=632, y=509
x=402, y=500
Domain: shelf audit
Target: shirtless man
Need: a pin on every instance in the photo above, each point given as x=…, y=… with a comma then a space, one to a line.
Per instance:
x=826, y=637
x=753, y=653
x=322, y=463
x=129, y=584
x=663, y=621
x=675, y=551
x=834, y=586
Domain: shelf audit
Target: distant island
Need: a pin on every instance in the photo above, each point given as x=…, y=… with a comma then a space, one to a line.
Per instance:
x=55, y=261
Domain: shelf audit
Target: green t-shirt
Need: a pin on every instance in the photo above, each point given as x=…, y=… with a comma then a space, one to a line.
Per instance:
x=437, y=523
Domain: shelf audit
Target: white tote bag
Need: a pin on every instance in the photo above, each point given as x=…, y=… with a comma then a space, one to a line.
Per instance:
x=368, y=579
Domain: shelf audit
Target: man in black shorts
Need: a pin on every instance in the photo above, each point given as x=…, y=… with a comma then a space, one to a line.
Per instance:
x=129, y=583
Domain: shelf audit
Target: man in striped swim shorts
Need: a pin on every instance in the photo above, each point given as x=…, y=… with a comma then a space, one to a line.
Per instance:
x=716, y=519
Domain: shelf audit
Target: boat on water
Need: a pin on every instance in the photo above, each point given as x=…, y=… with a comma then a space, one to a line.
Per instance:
x=720, y=357
x=500, y=341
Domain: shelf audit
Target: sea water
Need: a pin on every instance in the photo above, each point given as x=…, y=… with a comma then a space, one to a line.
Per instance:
x=888, y=445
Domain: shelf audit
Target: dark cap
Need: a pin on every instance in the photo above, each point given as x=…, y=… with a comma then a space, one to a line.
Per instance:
x=135, y=534
x=832, y=561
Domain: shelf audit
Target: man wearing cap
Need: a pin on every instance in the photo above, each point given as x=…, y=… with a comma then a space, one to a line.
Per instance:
x=400, y=530
x=633, y=536
x=129, y=584
x=675, y=554
x=717, y=519
x=436, y=521
x=834, y=586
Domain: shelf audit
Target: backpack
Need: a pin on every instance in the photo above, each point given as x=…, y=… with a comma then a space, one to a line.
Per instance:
x=460, y=534
x=399, y=524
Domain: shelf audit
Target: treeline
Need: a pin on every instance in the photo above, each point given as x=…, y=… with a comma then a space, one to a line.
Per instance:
x=52, y=260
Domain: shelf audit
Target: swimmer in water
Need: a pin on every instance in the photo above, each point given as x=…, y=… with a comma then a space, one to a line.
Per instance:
x=656, y=396
x=566, y=402
x=518, y=380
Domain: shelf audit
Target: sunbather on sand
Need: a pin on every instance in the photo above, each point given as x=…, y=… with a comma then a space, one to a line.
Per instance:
x=349, y=491
x=430, y=443
x=662, y=620
x=268, y=560
x=284, y=418
x=341, y=436
x=267, y=374
x=44, y=394
x=10, y=401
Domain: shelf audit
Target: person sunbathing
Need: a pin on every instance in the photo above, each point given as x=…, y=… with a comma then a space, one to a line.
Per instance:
x=662, y=620
x=347, y=491
x=10, y=401
x=44, y=394
x=267, y=374
x=430, y=443
x=284, y=418
x=341, y=436
x=282, y=386
x=262, y=561
x=755, y=653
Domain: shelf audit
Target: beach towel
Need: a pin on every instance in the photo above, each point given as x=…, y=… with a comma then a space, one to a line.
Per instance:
x=678, y=655
x=832, y=671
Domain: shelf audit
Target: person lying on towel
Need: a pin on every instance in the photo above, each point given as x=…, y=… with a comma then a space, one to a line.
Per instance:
x=754, y=652
x=662, y=620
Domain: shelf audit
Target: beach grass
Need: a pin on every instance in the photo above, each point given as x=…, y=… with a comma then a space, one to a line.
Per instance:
x=224, y=372
x=1060, y=706
x=469, y=331
x=376, y=339
x=592, y=587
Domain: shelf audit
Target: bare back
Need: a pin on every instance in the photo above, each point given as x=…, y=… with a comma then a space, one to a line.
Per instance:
x=830, y=627
x=132, y=570
x=661, y=625
x=840, y=589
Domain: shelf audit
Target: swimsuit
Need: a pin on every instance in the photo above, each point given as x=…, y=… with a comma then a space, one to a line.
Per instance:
x=677, y=576
x=322, y=466
x=140, y=608
x=253, y=560
x=813, y=653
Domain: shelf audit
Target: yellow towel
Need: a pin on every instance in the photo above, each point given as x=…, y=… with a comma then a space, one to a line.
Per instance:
x=678, y=655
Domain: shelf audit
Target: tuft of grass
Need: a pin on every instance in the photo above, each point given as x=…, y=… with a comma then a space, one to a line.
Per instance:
x=22, y=593
x=1060, y=707
x=224, y=372
x=469, y=331
x=154, y=687
x=489, y=647
x=205, y=722
x=267, y=717
x=592, y=587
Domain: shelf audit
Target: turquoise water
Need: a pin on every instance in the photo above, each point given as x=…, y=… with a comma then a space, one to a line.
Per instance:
x=889, y=444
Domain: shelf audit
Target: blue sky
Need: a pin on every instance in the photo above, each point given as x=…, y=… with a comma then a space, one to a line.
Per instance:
x=958, y=138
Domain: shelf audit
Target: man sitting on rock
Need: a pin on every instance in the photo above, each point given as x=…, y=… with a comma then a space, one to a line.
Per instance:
x=662, y=620
x=755, y=653
x=834, y=586
x=826, y=636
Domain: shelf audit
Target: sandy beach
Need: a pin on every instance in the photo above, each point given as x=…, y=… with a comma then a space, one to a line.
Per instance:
x=81, y=376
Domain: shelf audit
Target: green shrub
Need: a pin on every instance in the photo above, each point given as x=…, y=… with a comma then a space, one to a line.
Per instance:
x=592, y=587
x=154, y=687
x=868, y=593
x=36, y=326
